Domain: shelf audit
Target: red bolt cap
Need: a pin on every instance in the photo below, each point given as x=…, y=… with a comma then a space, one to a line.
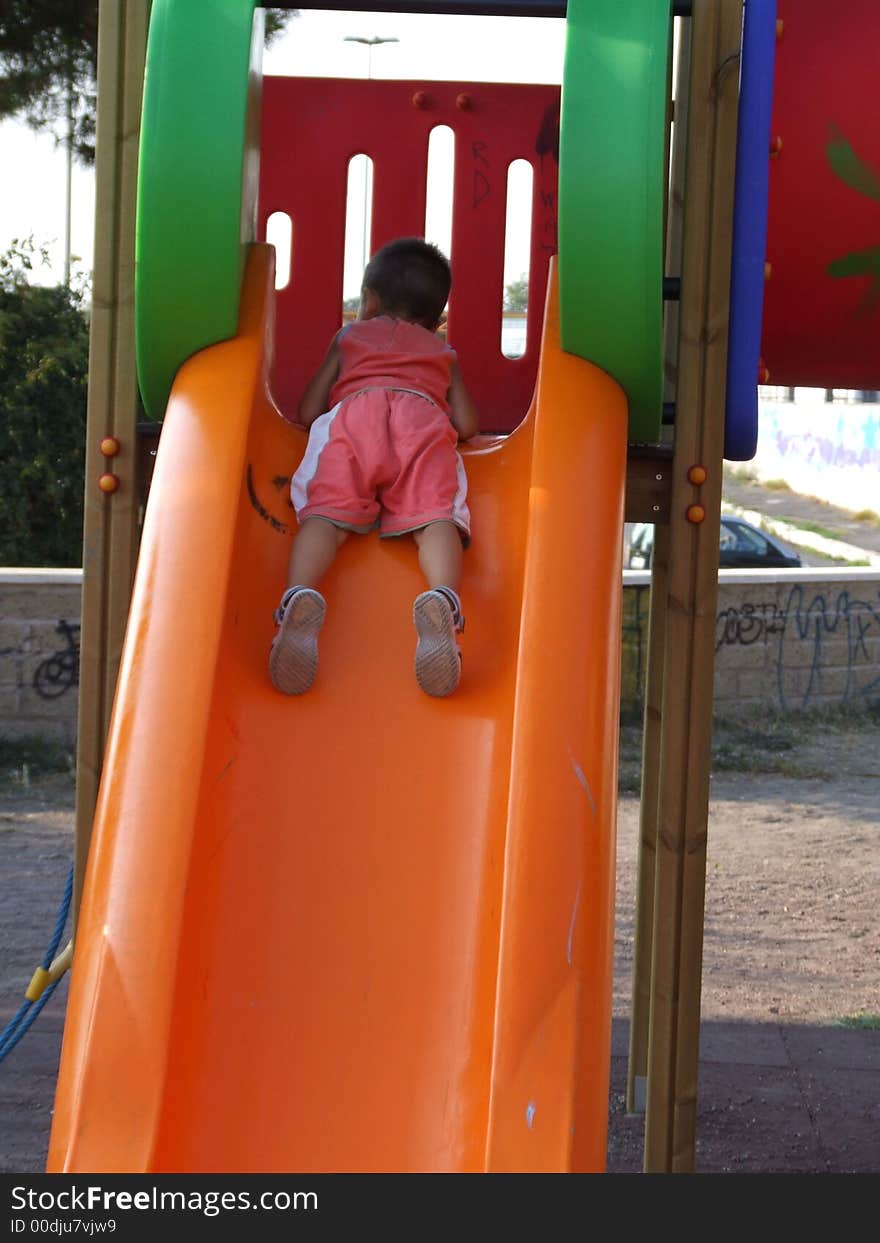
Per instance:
x=463, y=102
x=420, y=100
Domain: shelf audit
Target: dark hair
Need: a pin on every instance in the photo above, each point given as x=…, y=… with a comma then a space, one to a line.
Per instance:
x=411, y=278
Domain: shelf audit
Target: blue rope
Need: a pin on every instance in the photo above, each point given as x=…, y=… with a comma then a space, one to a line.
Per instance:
x=29, y=1011
x=60, y=922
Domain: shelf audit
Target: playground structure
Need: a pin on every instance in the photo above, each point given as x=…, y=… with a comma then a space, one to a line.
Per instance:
x=500, y=998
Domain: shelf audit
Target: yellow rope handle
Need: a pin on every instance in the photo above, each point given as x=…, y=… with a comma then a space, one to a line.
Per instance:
x=43, y=978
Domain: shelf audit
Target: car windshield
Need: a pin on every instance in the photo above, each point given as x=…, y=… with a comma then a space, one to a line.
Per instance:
x=736, y=537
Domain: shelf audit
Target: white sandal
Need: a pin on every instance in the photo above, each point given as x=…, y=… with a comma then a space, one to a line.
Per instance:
x=437, y=617
x=293, y=657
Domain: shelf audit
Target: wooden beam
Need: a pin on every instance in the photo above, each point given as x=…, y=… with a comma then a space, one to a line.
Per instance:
x=637, y=1067
x=648, y=484
x=110, y=530
x=691, y=591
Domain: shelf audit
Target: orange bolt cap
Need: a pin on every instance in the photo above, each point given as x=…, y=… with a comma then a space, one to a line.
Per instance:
x=775, y=145
x=698, y=475
x=110, y=446
x=109, y=483
x=780, y=26
x=768, y=271
x=695, y=513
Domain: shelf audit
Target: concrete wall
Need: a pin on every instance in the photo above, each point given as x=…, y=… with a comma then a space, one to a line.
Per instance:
x=785, y=642
x=39, y=668
x=810, y=639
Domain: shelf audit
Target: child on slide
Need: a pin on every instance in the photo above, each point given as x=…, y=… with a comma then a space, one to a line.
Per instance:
x=385, y=411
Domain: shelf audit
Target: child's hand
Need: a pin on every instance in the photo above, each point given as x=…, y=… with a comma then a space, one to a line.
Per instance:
x=462, y=410
x=314, y=400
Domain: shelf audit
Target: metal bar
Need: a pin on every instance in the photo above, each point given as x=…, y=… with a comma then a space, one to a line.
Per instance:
x=477, y=8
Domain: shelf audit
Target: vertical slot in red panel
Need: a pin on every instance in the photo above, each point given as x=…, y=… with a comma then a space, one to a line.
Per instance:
x=311, y=128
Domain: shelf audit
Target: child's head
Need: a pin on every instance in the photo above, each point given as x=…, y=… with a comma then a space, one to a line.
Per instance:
x=408, y=278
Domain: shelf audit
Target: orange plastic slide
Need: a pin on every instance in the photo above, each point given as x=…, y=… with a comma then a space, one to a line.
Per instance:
x=363, y=929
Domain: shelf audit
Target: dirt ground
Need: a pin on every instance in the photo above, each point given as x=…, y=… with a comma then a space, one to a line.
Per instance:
x=792, y=955
x=790, y=1047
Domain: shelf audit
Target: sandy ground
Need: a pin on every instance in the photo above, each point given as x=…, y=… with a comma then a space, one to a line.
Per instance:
x=791, y=954
x=792, y=948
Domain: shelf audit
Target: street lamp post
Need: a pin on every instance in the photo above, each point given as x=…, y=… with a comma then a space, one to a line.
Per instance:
x=369, y=41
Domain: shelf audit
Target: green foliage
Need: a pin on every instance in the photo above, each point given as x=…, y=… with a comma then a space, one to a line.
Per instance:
x=48, y=55
x=860, y=1022
x=48, y=66
x=44, y=351
x=516, y=294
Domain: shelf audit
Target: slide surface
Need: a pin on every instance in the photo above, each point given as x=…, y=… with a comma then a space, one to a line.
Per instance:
x=362, y=929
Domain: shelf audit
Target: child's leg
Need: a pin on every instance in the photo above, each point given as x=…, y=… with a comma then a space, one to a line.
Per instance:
x=293, y=657
x=313, y=552
x=437, y=612
x=440, y=554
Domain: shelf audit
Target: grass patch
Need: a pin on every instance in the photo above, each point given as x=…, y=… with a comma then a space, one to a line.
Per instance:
x=776, y=485
x=766, y=746
x=777, y=746
x=629, y=771
x=741, y=473
x=806, y=524
x=867, y=515
x=860, y=1022
x=23, y=760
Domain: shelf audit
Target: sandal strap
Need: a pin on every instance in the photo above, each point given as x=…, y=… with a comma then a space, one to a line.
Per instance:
x=455, y=604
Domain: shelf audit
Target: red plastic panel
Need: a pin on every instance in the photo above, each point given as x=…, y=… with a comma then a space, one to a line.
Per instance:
x=821, y=321
x=311, y=129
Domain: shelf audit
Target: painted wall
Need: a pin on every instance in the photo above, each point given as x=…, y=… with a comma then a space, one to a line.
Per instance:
x=810, y=640
x=822, y=449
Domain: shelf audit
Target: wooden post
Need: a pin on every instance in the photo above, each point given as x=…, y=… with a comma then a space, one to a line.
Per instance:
x=637, y=1069
x=691, y=590
x=111, y=520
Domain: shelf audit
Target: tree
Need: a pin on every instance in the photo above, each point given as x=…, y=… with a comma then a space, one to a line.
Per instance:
x=516, y=294
x=44, y=357
x=48, y=65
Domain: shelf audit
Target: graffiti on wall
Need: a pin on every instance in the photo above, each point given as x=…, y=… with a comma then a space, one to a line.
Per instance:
x=60, y=671
x=833, y=633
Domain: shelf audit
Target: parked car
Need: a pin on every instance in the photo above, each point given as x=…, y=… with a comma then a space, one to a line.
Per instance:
x=743, y=546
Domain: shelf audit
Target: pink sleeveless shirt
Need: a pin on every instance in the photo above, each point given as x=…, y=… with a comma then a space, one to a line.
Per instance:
x=391, y=353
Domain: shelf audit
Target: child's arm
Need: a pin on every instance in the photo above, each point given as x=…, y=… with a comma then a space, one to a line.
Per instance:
x=317, y=392
x=462, y=410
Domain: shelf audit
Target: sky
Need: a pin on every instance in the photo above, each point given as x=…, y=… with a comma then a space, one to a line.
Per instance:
x=32, y=199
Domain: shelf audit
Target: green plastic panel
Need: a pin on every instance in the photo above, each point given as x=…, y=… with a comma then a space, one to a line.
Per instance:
x=195, y=171
x=611, y=193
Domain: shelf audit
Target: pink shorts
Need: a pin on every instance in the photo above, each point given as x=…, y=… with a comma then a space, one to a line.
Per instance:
x=386, y=457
